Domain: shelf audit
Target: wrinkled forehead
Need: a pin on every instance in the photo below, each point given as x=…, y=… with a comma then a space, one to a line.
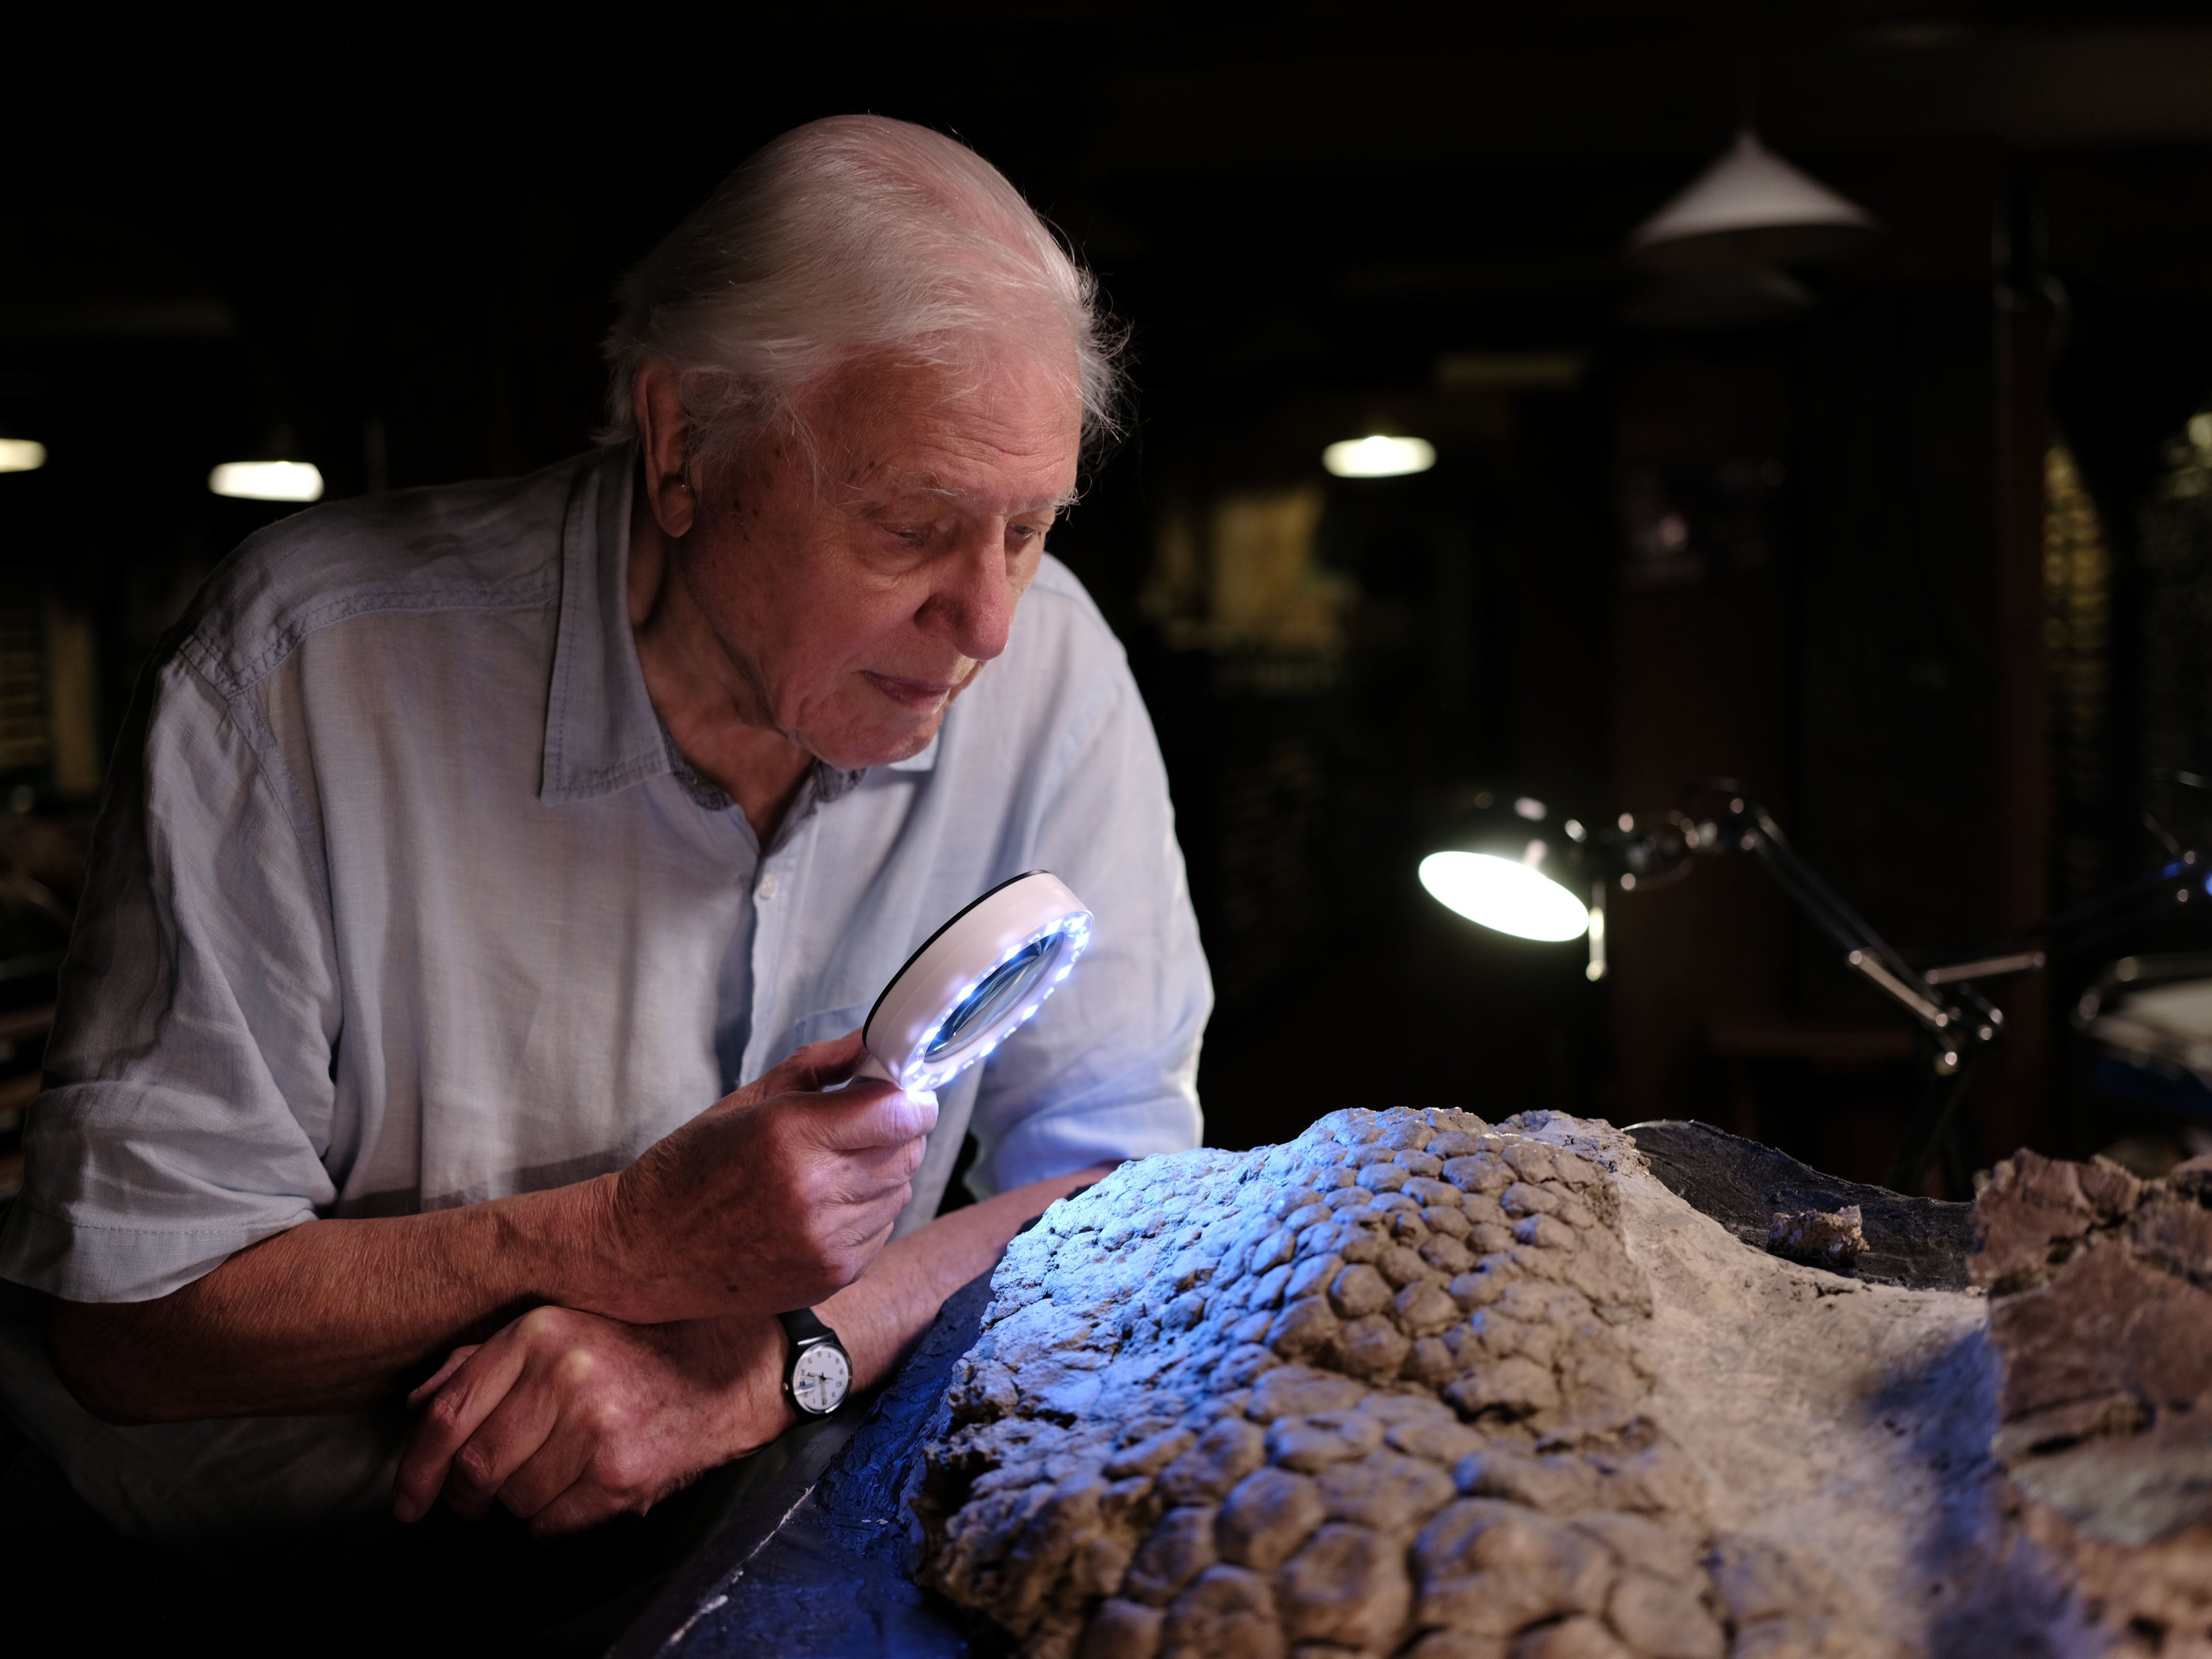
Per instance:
x=1003, y=434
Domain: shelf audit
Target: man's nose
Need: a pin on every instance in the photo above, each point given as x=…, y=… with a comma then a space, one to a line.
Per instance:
x=972, y=605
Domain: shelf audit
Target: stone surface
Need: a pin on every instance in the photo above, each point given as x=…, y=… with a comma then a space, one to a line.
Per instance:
x=2100, y=1313
x=1820, y=1238
x=1415, y=1385
x=1921, y=1243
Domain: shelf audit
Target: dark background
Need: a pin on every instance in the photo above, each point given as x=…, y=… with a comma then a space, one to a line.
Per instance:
x=393, y=256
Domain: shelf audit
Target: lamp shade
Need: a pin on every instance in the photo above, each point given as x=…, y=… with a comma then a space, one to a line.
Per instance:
x=1517, y=868
x=1749, y=208
x=1504, y=895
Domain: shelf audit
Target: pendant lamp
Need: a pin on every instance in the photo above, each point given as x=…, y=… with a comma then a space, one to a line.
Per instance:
x=1750, y=208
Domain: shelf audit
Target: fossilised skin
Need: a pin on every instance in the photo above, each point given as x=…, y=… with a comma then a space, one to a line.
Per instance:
x=1372, y=1392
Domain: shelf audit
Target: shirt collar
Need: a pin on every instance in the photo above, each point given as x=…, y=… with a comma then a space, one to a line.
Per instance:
x=601, y=732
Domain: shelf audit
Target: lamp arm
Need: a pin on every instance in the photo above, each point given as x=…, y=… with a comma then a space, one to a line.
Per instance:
x=1960, y=1023
x=1750, y=830
x=2091, y=919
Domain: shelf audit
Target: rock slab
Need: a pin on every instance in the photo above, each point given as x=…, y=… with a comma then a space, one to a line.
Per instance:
x=1392, y=1389
x=1417, y=1385
x=2100, y=1313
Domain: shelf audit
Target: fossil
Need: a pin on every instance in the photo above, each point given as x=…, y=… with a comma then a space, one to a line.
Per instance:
x=1826, y=1238
x=1417, y=1385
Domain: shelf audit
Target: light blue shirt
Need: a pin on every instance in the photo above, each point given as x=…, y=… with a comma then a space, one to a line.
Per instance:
x=403, y=899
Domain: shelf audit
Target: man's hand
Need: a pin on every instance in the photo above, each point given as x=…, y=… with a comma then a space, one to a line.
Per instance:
x=773, y=1199
x=567, y=1419
x=768, y=1200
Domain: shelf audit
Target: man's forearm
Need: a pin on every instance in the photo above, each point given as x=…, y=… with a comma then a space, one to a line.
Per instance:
x=883, y=1313
x=332, y=1316
x=336, y=1315
x=556, y=1389
x=878, y=1318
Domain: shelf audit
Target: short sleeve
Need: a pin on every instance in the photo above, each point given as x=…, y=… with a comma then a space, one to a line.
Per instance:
x=1109, y=1069
x=189, y=1081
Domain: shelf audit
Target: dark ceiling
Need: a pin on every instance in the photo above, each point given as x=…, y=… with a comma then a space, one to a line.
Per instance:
x=421, y=230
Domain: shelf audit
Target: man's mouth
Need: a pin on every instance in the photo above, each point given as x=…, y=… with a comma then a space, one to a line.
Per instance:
x=922, y=694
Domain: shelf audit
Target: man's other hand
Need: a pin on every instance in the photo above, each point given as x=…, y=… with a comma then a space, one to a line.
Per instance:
x=569, y=1419
x=775, y=1198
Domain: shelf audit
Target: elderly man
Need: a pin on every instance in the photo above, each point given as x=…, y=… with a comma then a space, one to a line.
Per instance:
x=493, y=877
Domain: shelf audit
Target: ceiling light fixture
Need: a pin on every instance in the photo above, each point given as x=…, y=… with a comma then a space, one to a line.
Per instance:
x=1749, y=208
x=22, y=455
x=267, y=481
x=1378, y=457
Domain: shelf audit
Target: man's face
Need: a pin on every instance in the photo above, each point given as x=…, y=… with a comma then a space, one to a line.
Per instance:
x=857, y=607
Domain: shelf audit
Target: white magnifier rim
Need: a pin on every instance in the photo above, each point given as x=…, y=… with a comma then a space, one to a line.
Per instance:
x=1031, y=920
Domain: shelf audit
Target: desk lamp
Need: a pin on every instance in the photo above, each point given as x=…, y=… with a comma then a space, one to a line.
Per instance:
x=1554, y=859
x=973, y=982
x=1523, y=869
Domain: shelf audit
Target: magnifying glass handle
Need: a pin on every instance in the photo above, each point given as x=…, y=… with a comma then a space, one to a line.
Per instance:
x=870, y=1067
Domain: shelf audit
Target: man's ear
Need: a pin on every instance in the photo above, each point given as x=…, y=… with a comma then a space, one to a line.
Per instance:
x=664, y=441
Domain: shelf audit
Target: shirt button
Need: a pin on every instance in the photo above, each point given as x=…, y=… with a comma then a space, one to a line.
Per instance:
x=768, y=885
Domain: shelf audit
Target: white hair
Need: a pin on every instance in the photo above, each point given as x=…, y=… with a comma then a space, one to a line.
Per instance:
x=847, y=239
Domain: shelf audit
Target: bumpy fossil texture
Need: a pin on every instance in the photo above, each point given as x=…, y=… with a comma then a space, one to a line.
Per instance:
x=1418, y=1386
x=1371, y=1392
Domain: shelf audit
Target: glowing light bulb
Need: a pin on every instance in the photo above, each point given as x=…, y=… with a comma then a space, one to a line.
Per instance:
x=1378, y=457
x=22, y=455
x=267, y=481
x=1502, y=894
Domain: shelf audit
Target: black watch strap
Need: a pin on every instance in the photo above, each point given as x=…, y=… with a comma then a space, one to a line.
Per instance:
x=802, y=1327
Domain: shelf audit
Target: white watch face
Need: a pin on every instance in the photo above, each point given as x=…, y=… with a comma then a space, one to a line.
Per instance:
x=820, y=1378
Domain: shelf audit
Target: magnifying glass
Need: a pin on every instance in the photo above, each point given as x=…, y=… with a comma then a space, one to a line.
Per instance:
x=973, y=982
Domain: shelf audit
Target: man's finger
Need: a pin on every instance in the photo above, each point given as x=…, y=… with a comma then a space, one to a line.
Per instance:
x=515, y=1433
x=869, y=1171
x=454, y=1415
x=871, y=1231
x=589, y=1501
x=549, y=1471
x=437, y=1381
x=851, y=1120
x=872, y=1245
x=585, y=1504
x=875, y=1167
x=814, y=1067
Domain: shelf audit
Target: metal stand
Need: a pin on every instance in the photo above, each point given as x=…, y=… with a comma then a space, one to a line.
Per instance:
x=1958, y=1025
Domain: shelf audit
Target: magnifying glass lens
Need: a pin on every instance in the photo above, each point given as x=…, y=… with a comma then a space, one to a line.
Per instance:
x=998, y=990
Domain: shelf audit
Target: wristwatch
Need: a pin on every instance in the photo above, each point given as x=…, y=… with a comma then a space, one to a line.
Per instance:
x=819, y=1372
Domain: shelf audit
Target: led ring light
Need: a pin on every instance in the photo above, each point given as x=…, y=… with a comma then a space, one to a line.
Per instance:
x=975, y=981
